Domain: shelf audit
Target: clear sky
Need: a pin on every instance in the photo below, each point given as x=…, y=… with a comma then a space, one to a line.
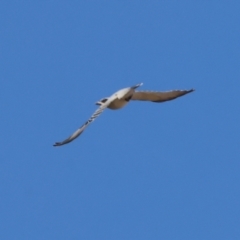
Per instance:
x=147, y=171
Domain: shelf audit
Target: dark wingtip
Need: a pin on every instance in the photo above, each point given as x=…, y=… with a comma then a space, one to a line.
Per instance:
x=190, y=90
x=57, y=144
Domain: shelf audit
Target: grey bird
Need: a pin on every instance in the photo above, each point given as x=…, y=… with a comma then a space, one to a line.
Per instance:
x=120, y=98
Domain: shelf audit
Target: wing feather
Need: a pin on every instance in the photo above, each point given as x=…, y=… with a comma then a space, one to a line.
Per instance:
x=82, y=128
x=159, y=96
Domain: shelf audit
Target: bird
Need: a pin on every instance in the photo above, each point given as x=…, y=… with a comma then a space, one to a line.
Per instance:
x=121, y=98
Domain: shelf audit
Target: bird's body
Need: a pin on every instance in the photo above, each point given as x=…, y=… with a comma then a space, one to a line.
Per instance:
x=117, y=104
x=119, y=99
x=122, y=97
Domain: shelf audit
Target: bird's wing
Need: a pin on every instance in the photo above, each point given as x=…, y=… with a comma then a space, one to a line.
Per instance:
x=82, y=128
x=159, y=96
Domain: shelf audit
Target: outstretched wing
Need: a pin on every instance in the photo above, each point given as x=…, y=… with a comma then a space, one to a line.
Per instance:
x=82, y=128
x=159, y=96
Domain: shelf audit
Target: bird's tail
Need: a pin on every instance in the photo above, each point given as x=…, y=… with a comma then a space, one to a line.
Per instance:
x=136, y=86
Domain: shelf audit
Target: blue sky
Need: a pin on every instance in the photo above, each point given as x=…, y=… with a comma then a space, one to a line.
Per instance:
x=147, y=171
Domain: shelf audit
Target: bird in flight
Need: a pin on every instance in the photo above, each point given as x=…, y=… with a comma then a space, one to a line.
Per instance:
x=120, y=98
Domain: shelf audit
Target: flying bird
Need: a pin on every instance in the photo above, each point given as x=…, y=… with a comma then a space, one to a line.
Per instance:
x=120, y=98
